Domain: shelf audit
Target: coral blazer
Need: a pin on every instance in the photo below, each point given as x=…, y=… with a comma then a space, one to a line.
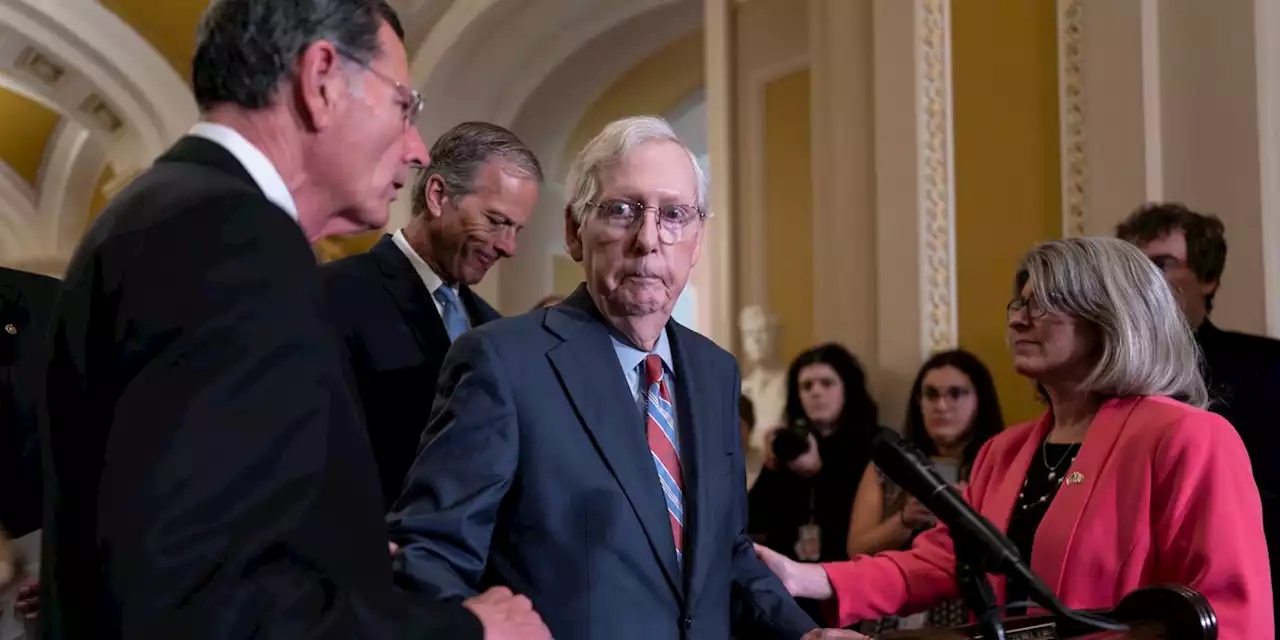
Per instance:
x=1167, y=496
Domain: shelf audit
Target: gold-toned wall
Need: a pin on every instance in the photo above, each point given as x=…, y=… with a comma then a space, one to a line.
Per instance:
x=1008, y=188
x=25, y=130
x=653, y=86
x=100, y=198
x=788, y=208
x=170, y=27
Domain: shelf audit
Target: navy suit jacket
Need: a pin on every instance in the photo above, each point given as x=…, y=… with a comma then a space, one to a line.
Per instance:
x=396, y=342
x=535, y=474
x=26, y=299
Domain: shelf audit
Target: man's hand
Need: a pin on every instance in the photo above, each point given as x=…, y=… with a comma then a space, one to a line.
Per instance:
x=834, y=634
x=506, y=616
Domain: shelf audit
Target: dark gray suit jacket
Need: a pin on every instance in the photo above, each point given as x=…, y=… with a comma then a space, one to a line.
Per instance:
x=535, y=474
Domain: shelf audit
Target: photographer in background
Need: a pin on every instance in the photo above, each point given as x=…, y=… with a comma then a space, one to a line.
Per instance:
x=801, y=503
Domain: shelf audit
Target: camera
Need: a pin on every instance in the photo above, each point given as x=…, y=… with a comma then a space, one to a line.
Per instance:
x=791, y=441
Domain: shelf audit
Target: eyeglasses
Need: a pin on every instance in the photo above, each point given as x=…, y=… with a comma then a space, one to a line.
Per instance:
x=622, y=215
x=411, y=102
x=1029, y=304
x=953, y=394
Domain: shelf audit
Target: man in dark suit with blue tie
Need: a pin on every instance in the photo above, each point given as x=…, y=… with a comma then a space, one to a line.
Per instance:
x=588, y=455
x=399, y=306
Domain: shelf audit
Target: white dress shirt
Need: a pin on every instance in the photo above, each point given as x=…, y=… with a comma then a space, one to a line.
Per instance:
x=256, y=163
x=429, y=278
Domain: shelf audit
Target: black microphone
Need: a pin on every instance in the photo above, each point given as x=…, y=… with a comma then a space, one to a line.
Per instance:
x=910, y=469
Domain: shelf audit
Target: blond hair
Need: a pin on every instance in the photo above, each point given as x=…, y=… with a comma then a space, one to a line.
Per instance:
x=1147, y=347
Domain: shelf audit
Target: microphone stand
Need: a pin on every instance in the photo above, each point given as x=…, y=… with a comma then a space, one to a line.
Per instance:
x=971, y=578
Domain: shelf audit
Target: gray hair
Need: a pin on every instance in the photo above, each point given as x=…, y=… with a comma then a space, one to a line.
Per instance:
x=609, y=147
x=1147, y=347
x=458, y=156
x=246, y=48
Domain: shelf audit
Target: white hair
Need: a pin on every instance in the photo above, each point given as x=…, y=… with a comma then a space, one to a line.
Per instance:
x=1147, y=347
x=609, y=147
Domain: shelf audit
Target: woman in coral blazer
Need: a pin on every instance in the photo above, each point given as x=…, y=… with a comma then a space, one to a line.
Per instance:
x=1117, y=486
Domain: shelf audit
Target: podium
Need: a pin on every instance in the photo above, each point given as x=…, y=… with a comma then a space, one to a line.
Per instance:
x=1151, y=613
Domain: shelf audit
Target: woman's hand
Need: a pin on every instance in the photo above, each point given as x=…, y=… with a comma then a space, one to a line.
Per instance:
x=914, y=514
x=802, y=580
x=28, y=604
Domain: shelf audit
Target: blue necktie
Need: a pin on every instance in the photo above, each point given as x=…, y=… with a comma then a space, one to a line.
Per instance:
x=455, y=318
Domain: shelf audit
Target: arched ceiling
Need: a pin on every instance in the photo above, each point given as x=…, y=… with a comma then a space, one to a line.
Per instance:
x=473, y=58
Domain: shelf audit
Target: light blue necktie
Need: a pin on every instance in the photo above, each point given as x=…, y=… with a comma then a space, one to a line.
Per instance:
x=455, y=318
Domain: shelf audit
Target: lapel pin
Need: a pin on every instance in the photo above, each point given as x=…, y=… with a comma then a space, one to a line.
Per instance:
x=1075, y=478
x=11, y=330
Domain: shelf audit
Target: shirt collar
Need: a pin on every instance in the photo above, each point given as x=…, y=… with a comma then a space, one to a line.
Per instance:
x=630, y=357
x=429, y=277
x=256, y=163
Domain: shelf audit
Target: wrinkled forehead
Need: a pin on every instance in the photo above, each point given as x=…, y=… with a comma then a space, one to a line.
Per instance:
x=657, y=172
x=392, y=59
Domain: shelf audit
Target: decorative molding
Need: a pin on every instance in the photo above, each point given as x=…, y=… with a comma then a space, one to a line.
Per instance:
x=17, y=213
x=937, y=174
x=69, y=175
x=112, y=78
x=1071, y=116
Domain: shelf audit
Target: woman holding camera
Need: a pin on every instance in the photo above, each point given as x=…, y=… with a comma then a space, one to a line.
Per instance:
x=801, y=502
x=1125, y=482
x=952, y=413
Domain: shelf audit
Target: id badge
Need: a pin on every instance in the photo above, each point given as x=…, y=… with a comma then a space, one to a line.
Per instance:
x=809, y=543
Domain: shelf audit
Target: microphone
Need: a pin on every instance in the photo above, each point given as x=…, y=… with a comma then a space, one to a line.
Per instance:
x=910, y=469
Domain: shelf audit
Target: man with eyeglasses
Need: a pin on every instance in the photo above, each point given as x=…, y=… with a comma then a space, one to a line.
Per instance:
x=209, y=473
x=400, y=305
x=589, y=454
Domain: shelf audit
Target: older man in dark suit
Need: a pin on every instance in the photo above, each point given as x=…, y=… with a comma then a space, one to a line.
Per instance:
x=399, y=306
x=588, y=455
x=211, y=476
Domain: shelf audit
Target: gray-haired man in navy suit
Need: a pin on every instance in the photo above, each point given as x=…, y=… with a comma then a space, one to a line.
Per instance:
x=588, y=455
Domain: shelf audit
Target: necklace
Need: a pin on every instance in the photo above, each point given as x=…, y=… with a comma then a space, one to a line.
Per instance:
x=1025, y=503
x=1053, y=468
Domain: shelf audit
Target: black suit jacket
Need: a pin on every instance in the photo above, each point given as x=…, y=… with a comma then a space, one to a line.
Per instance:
x=26, y=300
x=396, y=341
x=536, y=474
x=210, y=475
x=1243, y=372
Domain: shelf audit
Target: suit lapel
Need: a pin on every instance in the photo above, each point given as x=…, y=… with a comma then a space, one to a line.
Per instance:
x=478, y=311
x=404, y=286
x=588, y=368
x=1049, y=552
x=999, y=507
x=697, y=423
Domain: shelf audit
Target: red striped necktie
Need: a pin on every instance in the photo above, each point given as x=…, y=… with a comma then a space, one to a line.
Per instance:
x=664, y=444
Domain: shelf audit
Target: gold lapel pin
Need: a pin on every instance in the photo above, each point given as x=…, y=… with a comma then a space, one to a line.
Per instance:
x=11, y=330
x=1075, y=478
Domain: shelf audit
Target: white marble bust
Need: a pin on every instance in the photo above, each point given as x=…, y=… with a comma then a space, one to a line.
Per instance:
x=763, y=381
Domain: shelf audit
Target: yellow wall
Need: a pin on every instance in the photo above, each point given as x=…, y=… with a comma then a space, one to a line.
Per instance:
x=654, y=86
x=25, y=129
x=567, y=275
x=100, y=199
x=1008, y=186
x=788, y=208
x=169, y=25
